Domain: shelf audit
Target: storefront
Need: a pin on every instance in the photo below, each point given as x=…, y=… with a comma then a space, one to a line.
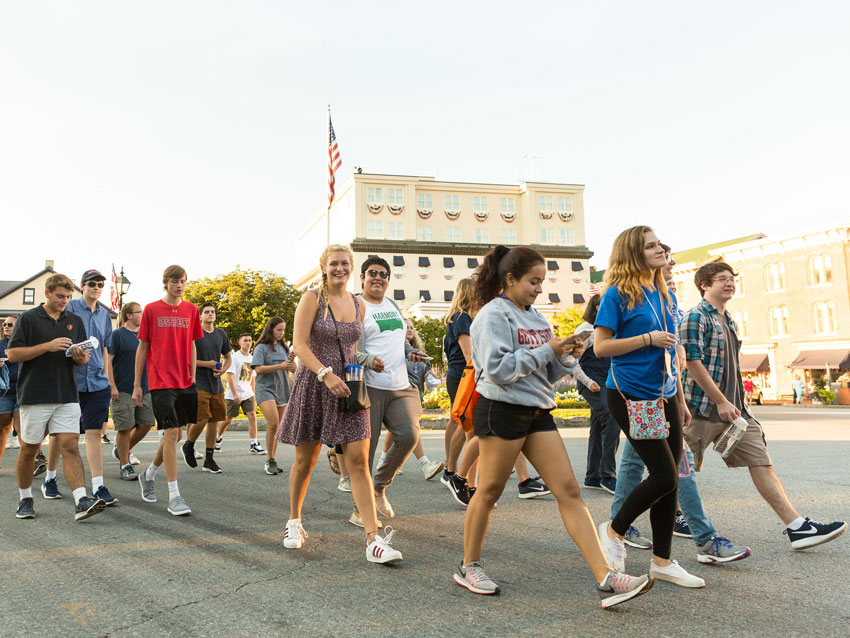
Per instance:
x=833, y=366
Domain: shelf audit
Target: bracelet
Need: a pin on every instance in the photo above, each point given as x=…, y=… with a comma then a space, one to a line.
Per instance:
x=322, y=373
x=649, y=334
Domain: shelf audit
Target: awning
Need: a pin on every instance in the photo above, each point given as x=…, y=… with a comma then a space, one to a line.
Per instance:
x=448, y=295
x=398, y=295
x=448, y=262
x=820, y=359
x=577, y=267
x=753, y=363
x=425, y=295
x=552, y=265
x=424, y=262
x=472, y=262
x=398, y=260
x=578, y=298
x=554, y=297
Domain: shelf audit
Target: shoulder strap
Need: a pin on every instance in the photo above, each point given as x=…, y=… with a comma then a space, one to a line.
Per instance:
x=336, y=329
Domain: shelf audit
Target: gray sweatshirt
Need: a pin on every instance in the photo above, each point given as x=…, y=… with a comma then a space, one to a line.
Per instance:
x=510, y=346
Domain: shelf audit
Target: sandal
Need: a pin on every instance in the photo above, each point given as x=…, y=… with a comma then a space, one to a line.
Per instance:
x=333, y=461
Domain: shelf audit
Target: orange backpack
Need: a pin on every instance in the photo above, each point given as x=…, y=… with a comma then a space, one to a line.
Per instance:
x=463, y=407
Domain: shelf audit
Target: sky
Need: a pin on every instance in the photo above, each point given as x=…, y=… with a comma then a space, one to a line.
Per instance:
x=194, y=132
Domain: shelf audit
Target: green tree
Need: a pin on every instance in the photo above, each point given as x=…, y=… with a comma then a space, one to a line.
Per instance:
x=566, y=322
x=432, y=332
x=245, y=300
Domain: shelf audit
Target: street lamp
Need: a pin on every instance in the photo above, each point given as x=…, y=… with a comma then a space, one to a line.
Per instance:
x=123, y=285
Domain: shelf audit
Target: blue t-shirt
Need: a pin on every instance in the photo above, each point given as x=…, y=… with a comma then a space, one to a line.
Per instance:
x=640, y=373
x=123, y=348
x=11, y=366
x=454, y=354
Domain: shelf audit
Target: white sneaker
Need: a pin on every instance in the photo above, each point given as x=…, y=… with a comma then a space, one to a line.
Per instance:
x=613, y=548
x=380, y=551
x=218, y=444
x=675, y=574
x=431, y=469
x=16, y=443
x=344, y=484
x=383, y=506
x=294, y=534
x=256, y=448
x=198, y=455
x=134, y=460
x=356, y=520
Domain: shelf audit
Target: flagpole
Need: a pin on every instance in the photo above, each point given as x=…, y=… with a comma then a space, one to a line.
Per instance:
x=328, y=214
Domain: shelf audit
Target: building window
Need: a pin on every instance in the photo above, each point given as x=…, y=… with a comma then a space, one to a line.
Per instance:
x=374, y=196
x=824, y=317
x=375, y=230
x=565, y=235
x=508, y=236
x=506, y=204
x=742, y=319
x=820, y=270
x=29, y=296
x=395, y=230
x=424, y=233
x=778, y=320
x=452, y=202
x=565, y=204
x=739, y=284
x=775, y=276
x=423, y=201
x=394, y=197
x=547, y=235
x=482, y=236
x=544, y=202
x=453, y=234
x=479, y=204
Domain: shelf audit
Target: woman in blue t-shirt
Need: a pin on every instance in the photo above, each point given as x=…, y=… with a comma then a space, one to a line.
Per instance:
x=635, y=327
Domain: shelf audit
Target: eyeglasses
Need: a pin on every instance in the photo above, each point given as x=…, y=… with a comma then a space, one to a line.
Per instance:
x=723, y=280
x=383, y=274
x=94, y=284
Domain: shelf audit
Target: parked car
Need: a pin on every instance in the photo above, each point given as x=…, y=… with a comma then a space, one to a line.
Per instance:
x=758, y=395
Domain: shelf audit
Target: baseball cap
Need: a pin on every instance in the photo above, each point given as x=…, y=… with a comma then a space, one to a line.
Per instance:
x=91, y=275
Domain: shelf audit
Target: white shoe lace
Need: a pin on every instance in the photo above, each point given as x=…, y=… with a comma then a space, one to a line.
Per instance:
x=388, y=535
x=294, y=528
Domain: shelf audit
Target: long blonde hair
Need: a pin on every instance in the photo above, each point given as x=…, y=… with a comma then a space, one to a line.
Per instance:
x=462, y=301
x=627, y=268
x=416, y=341
x=323, y=263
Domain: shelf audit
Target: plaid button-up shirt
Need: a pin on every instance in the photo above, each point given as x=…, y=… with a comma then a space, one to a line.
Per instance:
x=701, y=334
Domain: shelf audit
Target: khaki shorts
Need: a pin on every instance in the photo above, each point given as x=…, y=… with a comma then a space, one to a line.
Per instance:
x=248, y=406
x=751, y=450
x=125, y=414
x=55, y=418
x=211, y=406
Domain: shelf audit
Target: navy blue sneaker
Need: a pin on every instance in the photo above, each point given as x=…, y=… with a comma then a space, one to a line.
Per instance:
x=812, y=533
x=681, y=527
x=609, y=484
x=50, y=489
x=104, y=495
x=593, y=484
x=25, y=509
x=88, y=506
x=532, y=488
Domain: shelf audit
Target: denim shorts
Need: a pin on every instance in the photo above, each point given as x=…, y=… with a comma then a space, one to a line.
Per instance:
x=9, y=403
x=509, y=421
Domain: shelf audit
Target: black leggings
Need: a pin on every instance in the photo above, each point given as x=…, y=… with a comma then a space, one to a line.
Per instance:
x=658, y=492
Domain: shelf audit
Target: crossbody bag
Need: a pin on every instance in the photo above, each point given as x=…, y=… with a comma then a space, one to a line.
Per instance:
x=359, y=398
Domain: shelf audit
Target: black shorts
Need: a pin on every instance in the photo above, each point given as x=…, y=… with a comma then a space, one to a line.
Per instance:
x=509, y=421
x=173, y=407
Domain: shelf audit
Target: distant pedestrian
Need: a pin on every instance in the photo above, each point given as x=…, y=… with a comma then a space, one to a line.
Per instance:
x=239, y=394
x=272, y=361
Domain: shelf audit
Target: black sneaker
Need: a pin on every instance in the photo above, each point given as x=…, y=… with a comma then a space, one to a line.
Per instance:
x=446, y=477
x=459, y=489
x=50, y=489
x=88, y=506
x=609, y=484
x=681, y=527
x=25, y=509
x=39, y=468
x=211, y=466
x=105, y=438
x=593, y=484
x=811, y=533
x=532, y=488
x=188, y=450
x=104, y=495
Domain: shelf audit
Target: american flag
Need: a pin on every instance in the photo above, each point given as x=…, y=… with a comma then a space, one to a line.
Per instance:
x=334, y=161
x=113, y=291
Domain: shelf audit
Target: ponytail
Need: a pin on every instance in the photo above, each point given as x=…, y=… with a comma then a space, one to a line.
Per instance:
x=500, y=261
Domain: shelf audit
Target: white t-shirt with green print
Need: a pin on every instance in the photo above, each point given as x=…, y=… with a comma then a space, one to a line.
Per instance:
x=384, y=336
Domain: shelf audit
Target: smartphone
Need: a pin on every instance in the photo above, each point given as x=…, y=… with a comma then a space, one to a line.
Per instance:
x=584, y=334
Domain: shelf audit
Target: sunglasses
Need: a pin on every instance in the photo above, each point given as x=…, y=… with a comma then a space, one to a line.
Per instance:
x=383, y=274
x=9, y=325
x=94, y=284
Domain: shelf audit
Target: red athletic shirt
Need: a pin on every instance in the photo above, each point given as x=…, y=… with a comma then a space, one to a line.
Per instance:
x=170, y=332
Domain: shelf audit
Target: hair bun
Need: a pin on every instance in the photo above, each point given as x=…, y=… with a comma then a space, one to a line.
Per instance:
x=500, y=252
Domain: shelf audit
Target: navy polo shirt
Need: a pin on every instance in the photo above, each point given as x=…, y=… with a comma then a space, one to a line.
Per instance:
x=49, y=378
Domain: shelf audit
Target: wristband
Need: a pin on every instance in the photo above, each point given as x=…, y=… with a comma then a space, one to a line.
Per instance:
x=323, y=372
x=649, y=334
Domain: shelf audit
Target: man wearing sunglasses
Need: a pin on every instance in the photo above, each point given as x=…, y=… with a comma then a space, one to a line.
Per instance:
x=92, y=378
x=383, y=350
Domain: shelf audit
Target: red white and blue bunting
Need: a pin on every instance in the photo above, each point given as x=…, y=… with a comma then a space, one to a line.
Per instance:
x=375, y=208
x=452, y=214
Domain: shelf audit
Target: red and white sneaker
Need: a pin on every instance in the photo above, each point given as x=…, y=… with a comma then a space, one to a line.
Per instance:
x=380, y=551
x=294, y=534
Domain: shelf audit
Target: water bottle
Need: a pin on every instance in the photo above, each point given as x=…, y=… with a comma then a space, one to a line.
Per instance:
x=353, y=373
x=730, y=437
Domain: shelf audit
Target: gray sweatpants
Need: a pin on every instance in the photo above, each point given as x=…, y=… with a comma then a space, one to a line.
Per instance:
x=399, y=411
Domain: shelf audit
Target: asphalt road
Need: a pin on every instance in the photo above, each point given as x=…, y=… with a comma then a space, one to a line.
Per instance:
x=135, y=570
